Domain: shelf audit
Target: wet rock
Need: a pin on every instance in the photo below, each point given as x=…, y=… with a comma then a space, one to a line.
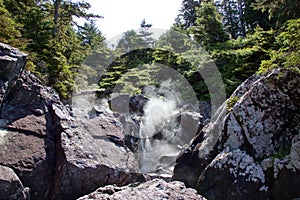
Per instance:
x=261, y=119
x=205, y=109
x=11, y=188
x=151, y=190
x=284, y=172
x=137, y=103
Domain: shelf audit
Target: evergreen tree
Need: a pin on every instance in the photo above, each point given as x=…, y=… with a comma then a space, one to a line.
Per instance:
x=288, y=55
x=90, y=35
x=145, y=33
x=9, y=29
x=55, y=47
x=208, y=28
x=187, y=16
x=240, y=18
x=130, y=41
x=279, y=10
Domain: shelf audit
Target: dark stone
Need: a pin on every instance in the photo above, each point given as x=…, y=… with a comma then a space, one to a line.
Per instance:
x=11, y=188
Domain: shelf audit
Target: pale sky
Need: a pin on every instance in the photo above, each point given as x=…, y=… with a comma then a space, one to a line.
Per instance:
x=123, y=15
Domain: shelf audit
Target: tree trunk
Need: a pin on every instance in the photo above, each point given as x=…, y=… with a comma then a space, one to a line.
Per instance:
x=55, y=18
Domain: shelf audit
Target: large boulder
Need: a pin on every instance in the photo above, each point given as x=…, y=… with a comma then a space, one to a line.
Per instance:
x=259, y=123
x=57, y=153
x=28, y=143
x=151, y=190
x=231, y=174
x=11, y=188
x=12, y=62
x=90, y=153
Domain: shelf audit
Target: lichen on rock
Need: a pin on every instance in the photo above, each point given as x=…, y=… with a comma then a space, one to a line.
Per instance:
x=262, y=127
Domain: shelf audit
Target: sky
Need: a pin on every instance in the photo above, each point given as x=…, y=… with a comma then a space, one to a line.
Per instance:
x=124, y=15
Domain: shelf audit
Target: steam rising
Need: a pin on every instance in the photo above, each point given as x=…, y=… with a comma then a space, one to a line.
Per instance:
x=160, y=130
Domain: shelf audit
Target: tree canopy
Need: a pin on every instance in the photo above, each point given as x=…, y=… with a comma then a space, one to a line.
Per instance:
x=241, y=36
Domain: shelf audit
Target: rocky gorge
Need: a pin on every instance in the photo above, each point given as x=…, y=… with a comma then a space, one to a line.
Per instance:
x=249, y=148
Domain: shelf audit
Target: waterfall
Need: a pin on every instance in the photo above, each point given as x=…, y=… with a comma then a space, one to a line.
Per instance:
x=158, y=112
x=156, y=129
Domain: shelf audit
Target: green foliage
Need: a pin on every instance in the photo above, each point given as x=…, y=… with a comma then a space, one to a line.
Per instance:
x=240, y=18
x=187, y=16
x=288, y=55
x=130, y=41
x=231, y=102
x=279, y=10
x=282, y=153
x=55, y=49
x=90, y=35
x=57, y=46
x=239, y=59
x=208, y=28
x=10, y=30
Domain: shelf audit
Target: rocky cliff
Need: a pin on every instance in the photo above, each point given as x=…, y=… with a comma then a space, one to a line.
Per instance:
x=251, y=147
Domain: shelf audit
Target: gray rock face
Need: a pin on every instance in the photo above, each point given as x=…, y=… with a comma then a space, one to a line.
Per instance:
x=12, y=62
x=11, y=187
x=260, y=123
x=90, y=154
x=55, y=152
x=151, y=190
x=27, y=139
x=125, y=103
x=11, y=65
x=233, y=174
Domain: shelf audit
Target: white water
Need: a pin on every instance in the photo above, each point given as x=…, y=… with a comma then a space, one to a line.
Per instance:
x=158, y=117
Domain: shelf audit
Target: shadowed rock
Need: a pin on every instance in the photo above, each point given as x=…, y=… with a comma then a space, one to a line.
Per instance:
x=260, y=123
x=11, y=187
x=55, y=152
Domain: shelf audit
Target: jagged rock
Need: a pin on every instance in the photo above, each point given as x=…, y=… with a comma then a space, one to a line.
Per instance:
x=55, y=152
x=261, y=119
x=232, y=175
x=28, y=143
x=12, y=62
x=151, y=190
x=90, y=153
x=190, y=124
x=11, y=188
